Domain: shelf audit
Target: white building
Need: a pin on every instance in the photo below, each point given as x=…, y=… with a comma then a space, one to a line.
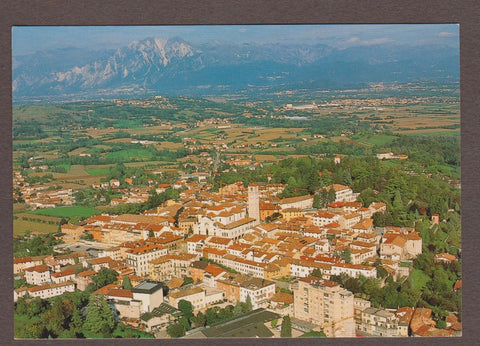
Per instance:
x=150, y=294
x=139, y=258
x=37, y=275
x=259, y=290
x=50, y=290
x=354, y=270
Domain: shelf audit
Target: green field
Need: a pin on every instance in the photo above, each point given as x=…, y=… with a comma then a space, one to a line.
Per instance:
x=129, y=154
x=67, y=211
x=20, y=227
x=377, y=140
x=98, y=171
x=418, y=279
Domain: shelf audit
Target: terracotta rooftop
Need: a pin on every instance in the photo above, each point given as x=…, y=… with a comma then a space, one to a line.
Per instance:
x=39, y=269
x=119, y=292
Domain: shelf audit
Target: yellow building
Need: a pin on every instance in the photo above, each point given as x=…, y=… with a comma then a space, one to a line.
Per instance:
x=325, y=303
x=291, y=213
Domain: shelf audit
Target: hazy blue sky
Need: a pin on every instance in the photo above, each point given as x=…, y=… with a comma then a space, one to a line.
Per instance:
x=29, y=39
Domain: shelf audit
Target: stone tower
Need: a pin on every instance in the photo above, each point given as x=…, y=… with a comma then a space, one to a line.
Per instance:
x=253, y=203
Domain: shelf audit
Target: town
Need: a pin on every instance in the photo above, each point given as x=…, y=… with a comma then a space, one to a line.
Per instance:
x=243, y=254
x=236, y=181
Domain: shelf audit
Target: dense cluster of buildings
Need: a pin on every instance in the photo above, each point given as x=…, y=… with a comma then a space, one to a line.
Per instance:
x=240, y=244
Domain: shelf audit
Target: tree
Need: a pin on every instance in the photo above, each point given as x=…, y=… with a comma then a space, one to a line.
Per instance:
x=238, y=310
x=186, y=307
x=249, y=303
x=151, y=234
x=57, y=319
x=346, y=255
x=200, y=319
x=316, y=272
x=99, y=317
x=184, y=322
x=127, y=284
x=105, y=277
x=274, y=323
x=176, y=330
x=286, y=330
x=211, y=315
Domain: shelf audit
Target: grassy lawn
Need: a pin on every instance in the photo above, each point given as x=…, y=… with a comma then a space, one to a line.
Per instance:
x=98, y=171
x=67, y=211
x=379, y=140
x=418, y=279
x=130, y=153
x=20, y=227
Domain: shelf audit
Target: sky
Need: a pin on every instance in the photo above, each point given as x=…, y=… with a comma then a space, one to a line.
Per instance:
x=30, y=39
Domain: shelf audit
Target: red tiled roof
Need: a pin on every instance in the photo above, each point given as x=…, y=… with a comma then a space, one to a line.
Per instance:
x=119, y=292
x=39, y=269
x=64, y=273
x=214, y=269
x=106, y=289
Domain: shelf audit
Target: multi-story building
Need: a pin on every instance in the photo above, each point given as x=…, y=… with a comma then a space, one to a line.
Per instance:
x=19, y=264
x=63, y=276
x=321, y=218
x=169, y=266
x=380, y=322
x=50, y=290
x=354, y=270
x=343, y=193
x=194, y=295
x=301, y=202
x=139, y=258
x=259, y=290
x=324, y=303
x=149, y=293
x=37, y=275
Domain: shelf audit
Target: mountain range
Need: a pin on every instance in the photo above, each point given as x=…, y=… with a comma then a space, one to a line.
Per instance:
x=176, y=67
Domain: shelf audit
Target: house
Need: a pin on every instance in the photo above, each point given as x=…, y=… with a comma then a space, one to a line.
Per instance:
x=63, y=276
x=169, y=266
x=282, y=303
x=196, y=243
x=259, y=290
x=37, y=275
x=72, y=233
x=49, y=290
x=359, y=305
x=268, y=210
x=398, y=247
x=300, y=202
x=381, y=322
x=194, y=295
x=444, y=258
x=98, y=263
x=343, y=193
x=83, y=279
x=291, y=213
x=139, y=257
x=123, y=302
x=354, y=270
x=19, y=264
